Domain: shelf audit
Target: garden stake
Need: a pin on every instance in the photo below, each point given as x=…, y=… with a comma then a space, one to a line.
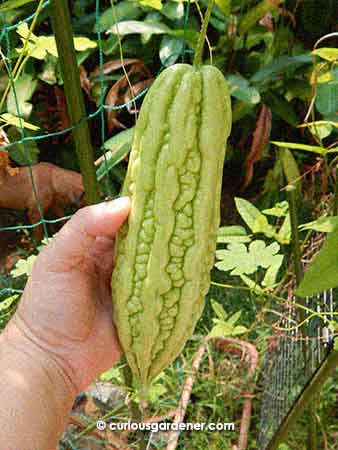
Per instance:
x=70, y=73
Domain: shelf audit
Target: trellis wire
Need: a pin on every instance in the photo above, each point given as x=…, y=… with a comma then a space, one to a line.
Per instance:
x=294, y=356
x=99, y=111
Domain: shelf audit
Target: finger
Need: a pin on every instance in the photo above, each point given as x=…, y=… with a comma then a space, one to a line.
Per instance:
x=101, y=255
x=74, y=240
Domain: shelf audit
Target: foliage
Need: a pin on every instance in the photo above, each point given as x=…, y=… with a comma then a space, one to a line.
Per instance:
x=224, y=325
x=322, y=273
x=268, y=54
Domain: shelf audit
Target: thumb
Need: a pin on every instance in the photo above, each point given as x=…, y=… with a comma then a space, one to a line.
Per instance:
x=75, y=238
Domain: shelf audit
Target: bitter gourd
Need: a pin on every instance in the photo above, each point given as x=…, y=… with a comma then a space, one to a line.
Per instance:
x=165, y=252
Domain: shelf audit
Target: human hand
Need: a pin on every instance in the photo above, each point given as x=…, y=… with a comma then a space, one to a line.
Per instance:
x=66, y=308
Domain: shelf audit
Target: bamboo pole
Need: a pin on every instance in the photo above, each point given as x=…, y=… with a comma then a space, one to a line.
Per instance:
x=62, y=27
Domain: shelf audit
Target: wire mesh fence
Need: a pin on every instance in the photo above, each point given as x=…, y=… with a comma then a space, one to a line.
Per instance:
x=295, y=352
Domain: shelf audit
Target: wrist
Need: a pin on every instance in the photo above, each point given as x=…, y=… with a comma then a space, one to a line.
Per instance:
x=13, y=341
x=37, y=394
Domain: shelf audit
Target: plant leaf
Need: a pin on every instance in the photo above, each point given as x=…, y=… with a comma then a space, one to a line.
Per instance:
x=280, y=209
x=255, y=220
x=219, y=310
x=10, y=119
x=24, y=88
x=280, y=65
x=290, y=168
x=323, y=224
x=256, y=13
x=241, y=89
x=327, y=53
x=307, y=148
x=13, y=4
x=137, y=27
x=322, y=273
x=170, y=50
x=24, y=266
x=232, y=233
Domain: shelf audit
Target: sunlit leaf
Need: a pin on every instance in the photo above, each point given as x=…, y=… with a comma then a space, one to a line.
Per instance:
x=19, y=96
x=322, y=273
x=39, y=46
x=24, y=266
x=10, y=119
x=278, y=210
x=246, y=260
x=327, y=53
x=255, y=220
x=323, y=224
x=138, y=27
x=304, y=147
x=13, y=4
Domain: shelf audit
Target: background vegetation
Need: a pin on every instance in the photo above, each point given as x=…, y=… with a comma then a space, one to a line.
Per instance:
x=280, y=60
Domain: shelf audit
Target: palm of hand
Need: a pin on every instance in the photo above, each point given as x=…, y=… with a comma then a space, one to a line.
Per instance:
x=66, y=308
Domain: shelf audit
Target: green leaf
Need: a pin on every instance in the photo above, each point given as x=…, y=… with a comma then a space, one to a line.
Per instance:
x=279, y=210
x=233, y=233
x=269, y=279
x=227, y=327
x=323, y=224
x=118, y=148
x=290, y=168
x=234, y=318
x=10, y=119
x=39, y=46
x=13, y=4
x=170, y=50
x=218, y=309
x=230, y=239
x=255, y=38
x=282, y=108
x=137, y=27
x=307, y=148
x=232, y=230
x=255, y=220
x=237, y=259
x=335, y=344
x=24, y=266
x=224, y=6
x=322, y=273
x=284, y=234
x=113, y=375
x=327, y=98
x=156, y=4
x=320, y=128
x=280, y=65
x=242, y=260
x=24, y=88
x=252, y=285
x=254, y=15
x=123, y=10
x=327, y=53
x=173, y=11
x=23, y=154
x=241, y=89
x=156, y=391
x=8, y=302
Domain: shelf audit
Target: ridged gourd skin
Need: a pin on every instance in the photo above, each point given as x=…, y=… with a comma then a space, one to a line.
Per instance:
x=165, y=251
